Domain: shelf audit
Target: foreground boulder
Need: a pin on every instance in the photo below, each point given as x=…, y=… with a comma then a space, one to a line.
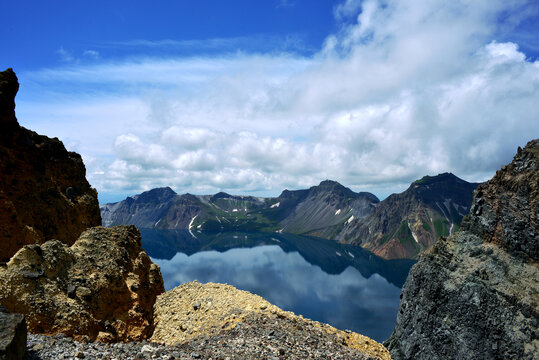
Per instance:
x=44, y=193
x=12, y=335
x=103, y=287
x=475, y=294
x=245, y=324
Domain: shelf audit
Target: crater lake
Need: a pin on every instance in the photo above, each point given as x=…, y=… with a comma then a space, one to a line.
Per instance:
x=342, y=285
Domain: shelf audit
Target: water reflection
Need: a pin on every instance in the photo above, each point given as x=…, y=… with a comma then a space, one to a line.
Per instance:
x=344, y=286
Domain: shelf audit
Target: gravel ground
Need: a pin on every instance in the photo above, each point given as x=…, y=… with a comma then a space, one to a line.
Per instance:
x=255, y=338
x=219, y=322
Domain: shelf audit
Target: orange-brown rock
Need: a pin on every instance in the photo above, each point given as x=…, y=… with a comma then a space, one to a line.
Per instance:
x=103, y=287
x=44, y=193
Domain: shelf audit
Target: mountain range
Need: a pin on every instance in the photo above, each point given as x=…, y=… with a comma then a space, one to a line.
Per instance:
x=400, y=226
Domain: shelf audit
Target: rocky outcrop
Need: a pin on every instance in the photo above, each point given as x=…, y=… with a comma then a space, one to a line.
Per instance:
x=44, y=193
x=475, y=295
x=405, y=224
x=505, y=210
x=103, y=287
x=12, y=335
x=217, y=311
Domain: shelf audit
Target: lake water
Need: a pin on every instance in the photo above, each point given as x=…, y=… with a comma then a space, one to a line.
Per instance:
x=341, y=285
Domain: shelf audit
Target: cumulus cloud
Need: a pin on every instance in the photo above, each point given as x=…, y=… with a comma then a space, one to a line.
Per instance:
x=402, y=89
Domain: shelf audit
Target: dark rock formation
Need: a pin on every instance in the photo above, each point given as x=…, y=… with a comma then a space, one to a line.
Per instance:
x=44, y=193
x=475, y=295
x=405, y=224
x=12, y=336
x=102, y=287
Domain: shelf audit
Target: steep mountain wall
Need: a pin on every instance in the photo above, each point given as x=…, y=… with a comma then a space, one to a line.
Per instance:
x=405, y=224
x=44, y=193
x=475, y=295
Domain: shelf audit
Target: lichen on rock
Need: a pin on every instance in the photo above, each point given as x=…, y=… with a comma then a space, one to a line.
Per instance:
x=103, y=287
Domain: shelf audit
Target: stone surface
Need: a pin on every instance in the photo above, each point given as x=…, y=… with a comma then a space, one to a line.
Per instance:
x=85, y=291
x=12, y=336
x=475, y=295
x=44, y=193
x=505, y=210
x=219, y=311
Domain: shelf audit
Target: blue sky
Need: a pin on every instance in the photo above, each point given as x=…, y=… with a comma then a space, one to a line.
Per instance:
x=257, y=96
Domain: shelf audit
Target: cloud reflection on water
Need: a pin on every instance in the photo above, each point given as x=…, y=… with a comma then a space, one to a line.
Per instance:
x=346, y=301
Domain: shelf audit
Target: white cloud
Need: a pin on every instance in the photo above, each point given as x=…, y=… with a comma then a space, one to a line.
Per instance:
x=403, y=89
x=65, y=55
x=93, y=54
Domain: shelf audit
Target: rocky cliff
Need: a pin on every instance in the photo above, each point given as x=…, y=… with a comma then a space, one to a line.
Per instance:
x=405, y=224
x=102, y=287
x=475, y=295
x=44, y=193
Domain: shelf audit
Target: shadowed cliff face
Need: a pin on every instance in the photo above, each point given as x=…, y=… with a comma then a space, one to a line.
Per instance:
x=44, y=193
x=475, y=294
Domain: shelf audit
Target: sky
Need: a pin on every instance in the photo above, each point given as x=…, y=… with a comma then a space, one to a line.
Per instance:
x=252, y=97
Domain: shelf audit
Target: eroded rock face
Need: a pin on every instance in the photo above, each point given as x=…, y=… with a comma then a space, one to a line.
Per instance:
x=44, y=193
x=505, y=210
x=475, y=295
x=103, y=287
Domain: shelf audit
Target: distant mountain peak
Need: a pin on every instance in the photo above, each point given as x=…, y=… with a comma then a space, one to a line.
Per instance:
x=328, y=182
x=158, y=194
x=331, y=185
x=427, y=179
x=221, y=195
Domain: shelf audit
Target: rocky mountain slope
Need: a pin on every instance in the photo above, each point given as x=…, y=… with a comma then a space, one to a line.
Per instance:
x=475, y=295
x=400, y=226
x=320, y=210
x=44, y=193
x=405, y=224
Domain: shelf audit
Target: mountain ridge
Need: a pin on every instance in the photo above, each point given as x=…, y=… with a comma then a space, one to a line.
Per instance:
x=328, y=210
